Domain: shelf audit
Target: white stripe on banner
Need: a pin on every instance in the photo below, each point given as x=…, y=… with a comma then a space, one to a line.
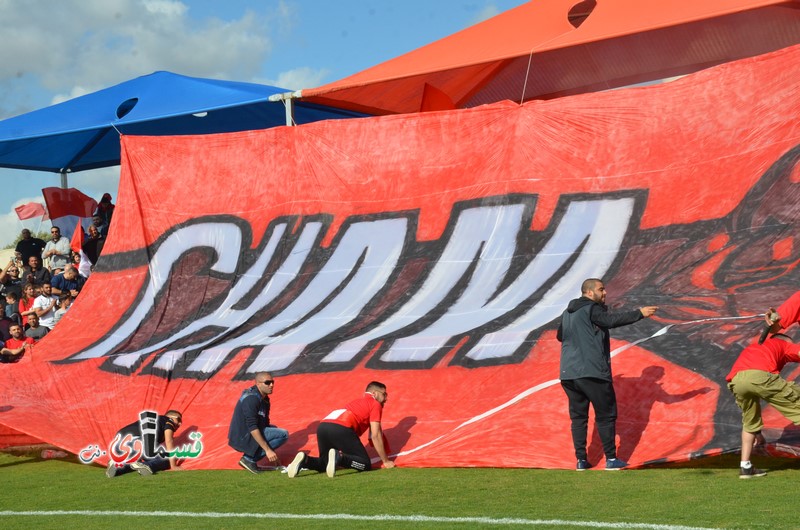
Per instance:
x=351, y=517
x=547, y=384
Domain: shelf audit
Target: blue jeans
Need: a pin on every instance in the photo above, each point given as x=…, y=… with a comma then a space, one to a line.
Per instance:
x=275, y=438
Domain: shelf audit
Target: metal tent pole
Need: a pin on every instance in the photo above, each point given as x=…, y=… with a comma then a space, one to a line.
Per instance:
x=288, y=102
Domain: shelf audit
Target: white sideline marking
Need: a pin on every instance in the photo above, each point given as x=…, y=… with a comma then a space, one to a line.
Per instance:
x=351, y=517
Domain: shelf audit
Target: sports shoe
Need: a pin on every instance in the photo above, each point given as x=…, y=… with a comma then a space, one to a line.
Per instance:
x=111, y=470
x=615, y=464
x=142, y=468
x=582, y=465
x=751, y=472
x=333, y=457
x=294, y=468
x=249, y=465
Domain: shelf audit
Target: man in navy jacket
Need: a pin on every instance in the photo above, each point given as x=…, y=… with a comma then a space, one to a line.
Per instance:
x=586, y=367
x=250, y=431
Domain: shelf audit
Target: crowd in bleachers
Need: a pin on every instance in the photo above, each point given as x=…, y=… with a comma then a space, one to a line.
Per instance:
x=42, y=279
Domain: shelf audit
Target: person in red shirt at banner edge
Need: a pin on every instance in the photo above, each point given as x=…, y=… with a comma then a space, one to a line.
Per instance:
x=786, y=315
x=755, y=376
x=338, y=436
x=16, y=346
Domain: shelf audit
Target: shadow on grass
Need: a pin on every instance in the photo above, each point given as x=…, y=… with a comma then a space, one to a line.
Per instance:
x=730, y=461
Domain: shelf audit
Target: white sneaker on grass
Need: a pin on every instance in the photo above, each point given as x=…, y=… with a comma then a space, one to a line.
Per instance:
x=330, y=469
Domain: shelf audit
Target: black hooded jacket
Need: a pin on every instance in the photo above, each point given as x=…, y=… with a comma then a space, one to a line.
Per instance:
x=584, y=337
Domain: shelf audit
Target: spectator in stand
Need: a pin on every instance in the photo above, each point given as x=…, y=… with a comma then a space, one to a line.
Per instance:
x=29, y=246
x=18, y=261
x=16, y=346
x=12, y=307
x=105, y=209
x=5, y=325
x=64, y=301
x=9, y=279
x=34, y=272
x=67, y=282
x=35, y=331
x=45, y=307
x=93, y=246
x=26, y=303
x=102, y=228
x=57, y=250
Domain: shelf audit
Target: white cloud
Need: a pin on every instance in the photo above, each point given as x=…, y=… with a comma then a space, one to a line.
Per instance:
x=165, y=7
x=488, y=11
x=78, y=46
x=299, y=78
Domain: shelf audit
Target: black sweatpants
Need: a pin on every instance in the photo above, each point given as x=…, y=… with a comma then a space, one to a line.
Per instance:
x=600, y=393
x=343, y=439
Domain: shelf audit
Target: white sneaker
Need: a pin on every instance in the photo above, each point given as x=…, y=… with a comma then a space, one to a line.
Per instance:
x=111, y=470
x=141, y=468
x=294, y=468
x=330, y=469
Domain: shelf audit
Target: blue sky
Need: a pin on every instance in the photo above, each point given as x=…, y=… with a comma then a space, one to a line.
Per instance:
x=54, y=51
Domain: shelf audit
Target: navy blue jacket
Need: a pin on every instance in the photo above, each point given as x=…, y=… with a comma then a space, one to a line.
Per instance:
x=585, y=341
x=251, y=412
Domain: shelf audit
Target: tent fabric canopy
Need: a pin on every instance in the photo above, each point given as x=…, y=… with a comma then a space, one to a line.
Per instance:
x=535, y=52
x=83, y=133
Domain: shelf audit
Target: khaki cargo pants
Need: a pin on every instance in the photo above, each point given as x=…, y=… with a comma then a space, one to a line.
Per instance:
x=751, y=386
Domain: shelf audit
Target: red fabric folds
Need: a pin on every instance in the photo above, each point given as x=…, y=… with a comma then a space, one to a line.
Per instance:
x=435, y=252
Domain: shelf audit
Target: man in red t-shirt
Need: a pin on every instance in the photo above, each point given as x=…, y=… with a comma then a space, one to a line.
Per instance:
x=338, y=436
x=755, y=376
x=786, y=315
x=16, y=346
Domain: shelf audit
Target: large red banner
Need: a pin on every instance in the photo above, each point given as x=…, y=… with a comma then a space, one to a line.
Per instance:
x=435, y=253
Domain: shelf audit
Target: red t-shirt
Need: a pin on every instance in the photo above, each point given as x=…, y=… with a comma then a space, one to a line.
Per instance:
x=25, y=304
x=357, y=414
x=771, y=356
x=790, y=310
x=13, y=344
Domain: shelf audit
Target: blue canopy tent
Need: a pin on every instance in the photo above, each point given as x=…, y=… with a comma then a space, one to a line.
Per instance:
x=83, y=133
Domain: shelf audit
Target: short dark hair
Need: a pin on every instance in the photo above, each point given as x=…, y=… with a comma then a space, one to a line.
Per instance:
x=375, y=385
x=589, y=284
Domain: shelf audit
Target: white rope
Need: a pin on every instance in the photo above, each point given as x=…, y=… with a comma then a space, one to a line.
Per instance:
x=547, y=384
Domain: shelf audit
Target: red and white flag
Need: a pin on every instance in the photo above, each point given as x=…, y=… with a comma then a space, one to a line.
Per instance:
x=76, y=244
x=66, y=206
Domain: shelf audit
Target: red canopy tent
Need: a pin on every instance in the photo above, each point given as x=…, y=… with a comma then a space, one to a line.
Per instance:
x=553, y=48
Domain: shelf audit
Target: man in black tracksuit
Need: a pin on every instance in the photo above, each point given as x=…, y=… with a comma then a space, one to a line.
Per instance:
x=586, y=367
